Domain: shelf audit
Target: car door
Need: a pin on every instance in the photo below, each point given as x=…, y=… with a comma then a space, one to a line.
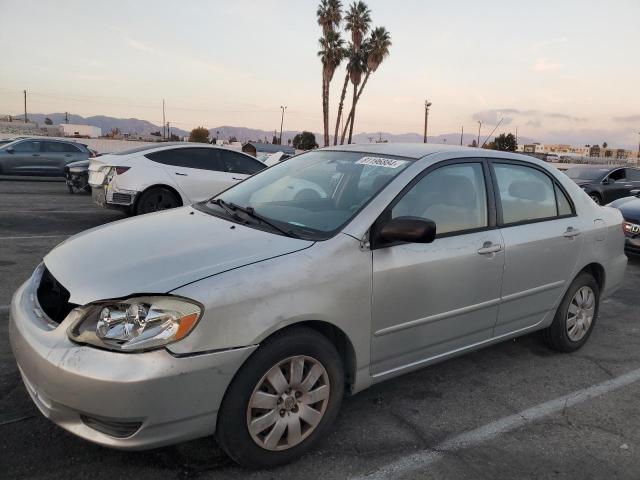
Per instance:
x=616, y=185
x=23, y=158
x=633, y=177
x=432, y=299
x=53, y=156
x=197, y=171
x=542, y=241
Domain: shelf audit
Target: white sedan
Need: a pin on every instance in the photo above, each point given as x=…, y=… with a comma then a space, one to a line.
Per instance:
x=162, y=176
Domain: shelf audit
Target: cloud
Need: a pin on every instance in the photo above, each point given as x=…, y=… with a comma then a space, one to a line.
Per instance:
x=492, y=116
x=534, y=123
x=544, y=65
x=141, y=46
x=627, y=119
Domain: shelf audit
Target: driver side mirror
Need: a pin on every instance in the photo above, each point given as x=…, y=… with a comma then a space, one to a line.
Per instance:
x=10, y=150
x=607, y=181
x=635, y=192
x=408, y=229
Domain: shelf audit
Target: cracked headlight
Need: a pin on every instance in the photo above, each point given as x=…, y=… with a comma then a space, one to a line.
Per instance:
x=135, y=324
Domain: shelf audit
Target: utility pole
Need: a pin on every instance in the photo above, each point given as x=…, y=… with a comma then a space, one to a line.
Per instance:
x=516, y=135
x=66, y=117
x=638, y=161
x=25, y=106
x=427, y=104
x=479, y=128
x=164, y=133
x=461, y=135
x=168, y=130
x=282, y=121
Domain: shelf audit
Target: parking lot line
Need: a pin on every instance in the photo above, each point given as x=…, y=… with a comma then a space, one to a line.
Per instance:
x=29, y=237
x=494, y=429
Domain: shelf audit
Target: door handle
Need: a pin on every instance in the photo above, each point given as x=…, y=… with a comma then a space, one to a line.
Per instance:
x=489, y=248
x=182, y=174
x=35, y=155
x=571, y=232
x=236, y=178
x=67, y=154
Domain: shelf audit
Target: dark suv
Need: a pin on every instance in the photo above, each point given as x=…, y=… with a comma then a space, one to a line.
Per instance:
x=604, y=183
x=39, y=156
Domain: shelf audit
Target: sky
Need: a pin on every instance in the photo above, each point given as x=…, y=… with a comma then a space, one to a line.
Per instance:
x=559, y=70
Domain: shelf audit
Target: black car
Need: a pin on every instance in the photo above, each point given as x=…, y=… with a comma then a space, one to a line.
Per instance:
x=40, y=156
x=605, y=183
x=630, y=209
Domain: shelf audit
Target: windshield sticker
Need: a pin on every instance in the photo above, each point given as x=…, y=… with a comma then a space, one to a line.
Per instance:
x=381, y=162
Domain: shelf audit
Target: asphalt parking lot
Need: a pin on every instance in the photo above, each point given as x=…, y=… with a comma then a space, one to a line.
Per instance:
x=515, y=410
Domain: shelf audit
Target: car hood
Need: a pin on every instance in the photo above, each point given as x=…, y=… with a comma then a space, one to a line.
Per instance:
x=629, y=207
x=159, y=252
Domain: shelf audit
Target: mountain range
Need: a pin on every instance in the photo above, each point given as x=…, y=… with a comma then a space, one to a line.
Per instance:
x=243, y=134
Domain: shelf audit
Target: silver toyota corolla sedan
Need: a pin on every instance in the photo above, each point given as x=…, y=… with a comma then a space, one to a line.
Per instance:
x=250, y=315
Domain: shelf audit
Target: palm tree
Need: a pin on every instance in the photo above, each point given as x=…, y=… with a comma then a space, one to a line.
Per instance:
x=357, y=67
x=357, y=19
x=331, y=53
x=377, y=49
x=329, y=15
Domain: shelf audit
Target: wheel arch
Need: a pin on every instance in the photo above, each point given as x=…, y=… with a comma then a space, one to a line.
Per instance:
x=336, y=336
x=597, y=271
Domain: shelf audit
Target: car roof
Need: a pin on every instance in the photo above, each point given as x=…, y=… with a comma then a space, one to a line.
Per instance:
x=421, y=150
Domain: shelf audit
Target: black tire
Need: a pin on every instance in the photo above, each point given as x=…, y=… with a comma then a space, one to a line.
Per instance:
x=232, y=432
x=556, y=335
x=596, y=198
x=156, y=199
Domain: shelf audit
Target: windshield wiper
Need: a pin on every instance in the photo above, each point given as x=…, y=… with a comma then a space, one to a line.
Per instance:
x=252, y=213
x=227, y=208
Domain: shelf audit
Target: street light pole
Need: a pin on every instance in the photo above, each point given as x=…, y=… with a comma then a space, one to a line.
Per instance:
x=479, y=128
x=283, y=108
x=427, y=104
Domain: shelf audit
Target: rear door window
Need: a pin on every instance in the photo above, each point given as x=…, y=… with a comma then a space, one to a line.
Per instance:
x=526, y=194
x=59, y=147
x=199, y=158
x=237, y=163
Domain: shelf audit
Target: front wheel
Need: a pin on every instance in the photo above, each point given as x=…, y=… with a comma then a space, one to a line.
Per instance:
x=282, y=400
x=576, y=315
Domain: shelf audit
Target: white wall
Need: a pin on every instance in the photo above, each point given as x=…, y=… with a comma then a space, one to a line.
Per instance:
x=101, y=145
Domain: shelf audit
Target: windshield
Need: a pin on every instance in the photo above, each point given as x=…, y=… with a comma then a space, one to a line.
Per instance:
x=314, y=194
x=582, y=173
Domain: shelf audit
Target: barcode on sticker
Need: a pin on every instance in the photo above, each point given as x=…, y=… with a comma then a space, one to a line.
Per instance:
x=381, y=162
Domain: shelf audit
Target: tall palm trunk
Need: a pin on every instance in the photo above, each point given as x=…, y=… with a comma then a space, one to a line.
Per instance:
x=353, y=106
x=325, y=110
x=352, y=113
x=344, y=93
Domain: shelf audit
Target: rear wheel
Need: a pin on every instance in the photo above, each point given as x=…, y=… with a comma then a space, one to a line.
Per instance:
x=576, y=315
x=156, y=199
x=282, y=401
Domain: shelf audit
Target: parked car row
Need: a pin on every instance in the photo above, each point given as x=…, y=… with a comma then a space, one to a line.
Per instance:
x=372, y=261
x=158, y=177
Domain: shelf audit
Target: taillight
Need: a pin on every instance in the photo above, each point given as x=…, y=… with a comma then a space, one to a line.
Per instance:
x=121, y=170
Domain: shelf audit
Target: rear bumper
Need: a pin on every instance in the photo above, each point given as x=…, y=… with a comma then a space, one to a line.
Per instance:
x=127, y=401
x=108, y=196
